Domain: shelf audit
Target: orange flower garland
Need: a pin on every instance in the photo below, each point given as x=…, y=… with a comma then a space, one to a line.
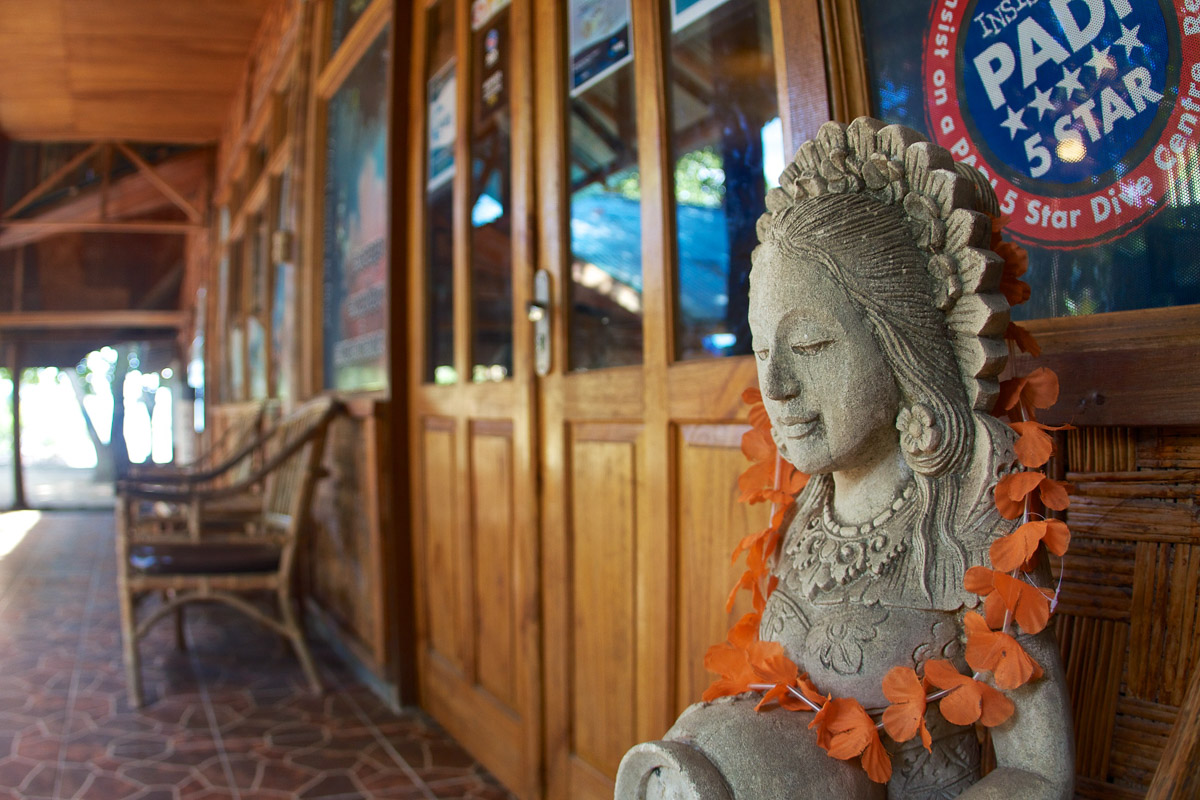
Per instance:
x=844, y=729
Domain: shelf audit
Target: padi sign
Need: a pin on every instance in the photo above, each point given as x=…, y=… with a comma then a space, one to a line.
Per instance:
x=1078, y=111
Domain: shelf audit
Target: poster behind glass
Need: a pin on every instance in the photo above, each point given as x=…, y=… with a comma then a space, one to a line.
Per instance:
x=355, y=226
x=1074, y=111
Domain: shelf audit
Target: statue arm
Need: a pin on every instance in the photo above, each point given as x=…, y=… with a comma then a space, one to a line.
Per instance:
x=1035, y=749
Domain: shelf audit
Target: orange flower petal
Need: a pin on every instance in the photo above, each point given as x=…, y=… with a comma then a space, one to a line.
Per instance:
x=752, y=396
x=757, y=445
x=906, y=716
x=1012, y=490
x=1041, y=388
x=1010, y=552
x=844, y=729
x=963, y=705
x=1029, y=605
x=1054, y=494
x=992, y=650
x=995, y=706
x=1057, y=537
x=1034, y=446
x=876, y=761
x=1023, y=338
x=745, y=630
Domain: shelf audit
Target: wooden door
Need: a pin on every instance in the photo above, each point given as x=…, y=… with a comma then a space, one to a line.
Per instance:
x=471, y=381
x=640, y=444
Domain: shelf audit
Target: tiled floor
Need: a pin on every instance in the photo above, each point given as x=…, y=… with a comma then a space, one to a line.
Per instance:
x=227, y=719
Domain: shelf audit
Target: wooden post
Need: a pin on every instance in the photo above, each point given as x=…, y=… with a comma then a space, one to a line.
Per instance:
x=14, y=365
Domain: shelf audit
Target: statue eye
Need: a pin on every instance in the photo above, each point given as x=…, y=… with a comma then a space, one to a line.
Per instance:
x=809, y=348
x=762, y=354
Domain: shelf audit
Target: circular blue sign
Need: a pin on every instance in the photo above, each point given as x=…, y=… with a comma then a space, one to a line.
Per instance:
x=1062, y=91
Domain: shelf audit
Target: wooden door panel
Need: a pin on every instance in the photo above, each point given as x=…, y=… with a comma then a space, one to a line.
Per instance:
x=447, y=623
x=711, y=523
x=493, y=557
x=603, y=531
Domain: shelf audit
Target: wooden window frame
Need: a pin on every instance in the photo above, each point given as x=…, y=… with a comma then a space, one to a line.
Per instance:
x=330, y=71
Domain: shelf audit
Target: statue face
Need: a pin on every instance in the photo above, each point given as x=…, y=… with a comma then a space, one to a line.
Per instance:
x=828, y=390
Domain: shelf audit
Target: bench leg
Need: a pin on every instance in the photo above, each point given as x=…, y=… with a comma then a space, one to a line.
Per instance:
x=296, y=634
x=129, y=647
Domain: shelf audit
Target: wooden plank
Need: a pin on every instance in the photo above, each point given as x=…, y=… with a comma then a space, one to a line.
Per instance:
x=605, y=615
x=1122, y=368
x=111, y=69
x=711, y=522
x=448, y=623
x=71, y=320
x=493, y=554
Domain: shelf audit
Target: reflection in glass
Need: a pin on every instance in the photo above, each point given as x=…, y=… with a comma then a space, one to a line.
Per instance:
x=442, y=105
x=491, y=220
x=727, y=147
x=605, y=320
x=345, y=14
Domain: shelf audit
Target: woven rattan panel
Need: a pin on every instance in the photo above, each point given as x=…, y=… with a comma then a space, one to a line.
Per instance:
x=1130, y=607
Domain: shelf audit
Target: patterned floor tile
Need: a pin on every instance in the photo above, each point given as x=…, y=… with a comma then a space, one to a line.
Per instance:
x=228, y=718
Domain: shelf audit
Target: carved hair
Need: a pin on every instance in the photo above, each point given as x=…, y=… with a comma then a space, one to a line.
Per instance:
x=892, y=223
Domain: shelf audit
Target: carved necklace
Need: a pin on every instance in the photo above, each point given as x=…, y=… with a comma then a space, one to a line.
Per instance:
x=828, y=554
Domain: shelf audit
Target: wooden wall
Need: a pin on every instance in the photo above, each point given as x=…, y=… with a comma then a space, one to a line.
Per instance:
x=350, y=567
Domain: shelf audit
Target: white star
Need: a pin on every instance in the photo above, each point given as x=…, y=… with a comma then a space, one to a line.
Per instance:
x=1070, y=81
x=1014, y=122
x=1041, y=102
x=1129, y=39
x=1101, y=60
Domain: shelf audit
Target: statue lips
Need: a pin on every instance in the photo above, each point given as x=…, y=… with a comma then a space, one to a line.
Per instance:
x=799, y=427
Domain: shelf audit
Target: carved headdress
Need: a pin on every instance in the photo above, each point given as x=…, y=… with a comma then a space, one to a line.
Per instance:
x=948, y=207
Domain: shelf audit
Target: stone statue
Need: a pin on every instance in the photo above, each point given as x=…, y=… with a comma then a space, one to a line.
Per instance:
x=878, y=330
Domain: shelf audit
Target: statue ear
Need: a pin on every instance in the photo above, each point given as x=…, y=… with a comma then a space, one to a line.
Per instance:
x=922, y=435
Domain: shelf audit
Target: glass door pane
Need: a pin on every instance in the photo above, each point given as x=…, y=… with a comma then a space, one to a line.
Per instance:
x=442, y=108
x=726, y=147
x=491, y=184
x=605, y=319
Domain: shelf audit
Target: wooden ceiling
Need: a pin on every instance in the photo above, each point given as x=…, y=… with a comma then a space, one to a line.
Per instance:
x=136, y=70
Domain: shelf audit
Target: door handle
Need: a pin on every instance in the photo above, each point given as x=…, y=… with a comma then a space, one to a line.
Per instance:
x=538, y=311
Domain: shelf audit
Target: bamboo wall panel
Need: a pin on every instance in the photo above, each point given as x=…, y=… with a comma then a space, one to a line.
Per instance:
x=446, y=625
x=711, y=523
x=493, y=557
x=603, y=528
x=1129, y=614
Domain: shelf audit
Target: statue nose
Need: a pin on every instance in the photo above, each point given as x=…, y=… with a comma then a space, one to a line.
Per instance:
x=781, y=383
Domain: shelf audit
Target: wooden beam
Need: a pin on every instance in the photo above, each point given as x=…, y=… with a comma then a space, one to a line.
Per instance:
x=74, y=320
x=54, y=178
x=102, y=226
x=167, y=189
x=129, y=197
